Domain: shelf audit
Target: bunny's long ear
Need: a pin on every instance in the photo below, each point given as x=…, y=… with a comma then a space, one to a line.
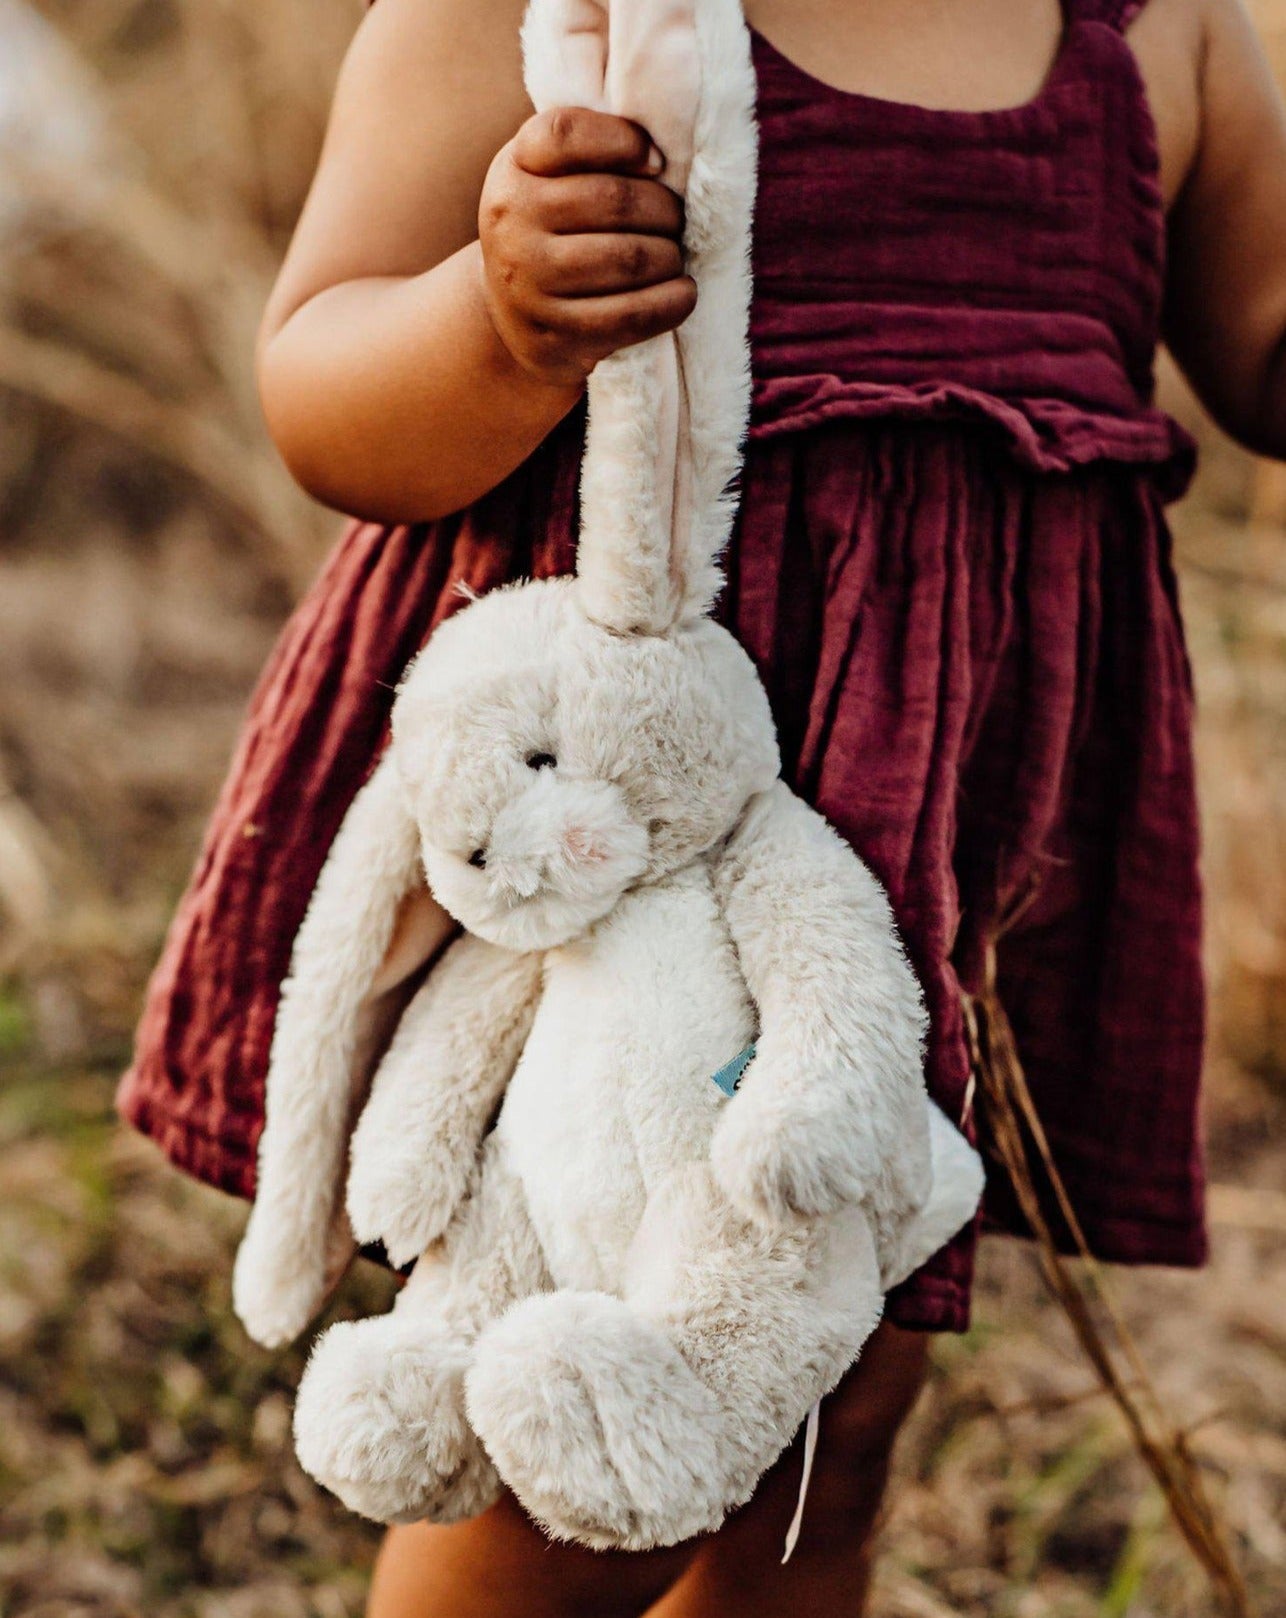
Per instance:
x=668, y=416
x=317, y=1059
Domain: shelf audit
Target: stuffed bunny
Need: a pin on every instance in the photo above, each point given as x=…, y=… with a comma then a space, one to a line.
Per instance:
x=631, y=1285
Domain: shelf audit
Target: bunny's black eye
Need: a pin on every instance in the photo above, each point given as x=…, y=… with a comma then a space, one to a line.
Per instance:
x=478, y=859
x=541, y=761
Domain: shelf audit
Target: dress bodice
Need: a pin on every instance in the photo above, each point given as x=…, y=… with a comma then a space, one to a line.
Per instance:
x=1002, y=265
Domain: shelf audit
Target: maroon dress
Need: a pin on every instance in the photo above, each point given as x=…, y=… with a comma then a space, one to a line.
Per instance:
x=953, y=571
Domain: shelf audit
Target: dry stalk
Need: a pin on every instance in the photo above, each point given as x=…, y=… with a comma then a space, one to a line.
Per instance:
x=144, y=271
x=1011, y=1123
x=190, y=442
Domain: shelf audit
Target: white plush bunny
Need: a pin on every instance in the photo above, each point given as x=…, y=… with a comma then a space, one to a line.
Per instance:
x=630, y=1287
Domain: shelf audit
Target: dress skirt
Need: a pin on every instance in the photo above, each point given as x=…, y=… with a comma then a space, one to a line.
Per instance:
x=979, y=677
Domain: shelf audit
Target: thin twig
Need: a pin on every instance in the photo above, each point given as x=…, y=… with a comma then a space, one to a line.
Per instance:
x=1012, y=1121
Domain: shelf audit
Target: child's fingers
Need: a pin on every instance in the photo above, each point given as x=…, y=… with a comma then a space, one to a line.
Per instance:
x=578, y=203
x=605, y=323
x=580, y=247
x=577, y=140
x=585, y=266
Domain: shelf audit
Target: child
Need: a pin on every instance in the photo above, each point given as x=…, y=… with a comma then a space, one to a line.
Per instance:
x=951, y=567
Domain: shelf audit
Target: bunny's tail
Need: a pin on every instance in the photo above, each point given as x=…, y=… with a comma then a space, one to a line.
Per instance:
x=953, y=1201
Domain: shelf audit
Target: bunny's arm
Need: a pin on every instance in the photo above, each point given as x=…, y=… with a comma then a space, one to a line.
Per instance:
x=435, y=1093
x=832, y=1109
x=315, y=1070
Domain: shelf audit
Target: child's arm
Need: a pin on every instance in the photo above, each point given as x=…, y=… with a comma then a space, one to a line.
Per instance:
x=407, y=366
x=1226, y=300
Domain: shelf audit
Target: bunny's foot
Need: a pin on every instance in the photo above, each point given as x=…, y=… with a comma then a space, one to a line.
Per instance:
x=380, y=1421
x=597, y=1424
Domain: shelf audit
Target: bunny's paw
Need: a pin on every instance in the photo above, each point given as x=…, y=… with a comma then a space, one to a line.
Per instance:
x=404, y=1195
x=775, y=1157
x=277, y=1285
x=597, y=1424
x=380, y=1422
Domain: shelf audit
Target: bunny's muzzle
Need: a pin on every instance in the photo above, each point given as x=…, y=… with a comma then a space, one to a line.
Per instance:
x=557, y=858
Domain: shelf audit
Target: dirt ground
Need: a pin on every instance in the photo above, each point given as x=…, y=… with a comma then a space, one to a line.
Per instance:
x=145, y=1459
x=149, y=548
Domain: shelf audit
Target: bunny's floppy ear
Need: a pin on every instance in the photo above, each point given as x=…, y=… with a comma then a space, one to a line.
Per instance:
x=666, y=417
x=318, y=1061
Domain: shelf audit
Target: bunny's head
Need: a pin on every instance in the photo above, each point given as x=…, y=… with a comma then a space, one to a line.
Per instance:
x=551, y=763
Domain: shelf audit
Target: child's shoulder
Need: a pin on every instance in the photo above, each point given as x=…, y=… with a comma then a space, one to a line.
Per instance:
x=1203, y=69
x=429, y=92
x=461, y=45
x=1167, y=38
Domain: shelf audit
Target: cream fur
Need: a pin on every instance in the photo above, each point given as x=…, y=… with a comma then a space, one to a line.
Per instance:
x=414, y=1147
x=631, y=1288
x=706, y=1268
x=667, y=416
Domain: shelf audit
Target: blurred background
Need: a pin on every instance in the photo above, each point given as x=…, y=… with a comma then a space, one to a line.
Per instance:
x=153, y=154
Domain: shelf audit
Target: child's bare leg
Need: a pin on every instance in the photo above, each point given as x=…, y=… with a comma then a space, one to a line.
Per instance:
x=501, y=1566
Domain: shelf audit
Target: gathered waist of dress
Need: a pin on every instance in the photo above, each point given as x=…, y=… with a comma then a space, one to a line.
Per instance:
x=1061, y=395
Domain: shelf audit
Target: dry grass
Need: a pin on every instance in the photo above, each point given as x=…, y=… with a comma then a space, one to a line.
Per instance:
x=150, y=546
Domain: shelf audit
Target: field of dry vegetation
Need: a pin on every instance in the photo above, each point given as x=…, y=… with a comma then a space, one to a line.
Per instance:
x=149, y=546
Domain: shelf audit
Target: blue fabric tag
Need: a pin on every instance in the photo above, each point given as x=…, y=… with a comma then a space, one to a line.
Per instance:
x=729, y=1075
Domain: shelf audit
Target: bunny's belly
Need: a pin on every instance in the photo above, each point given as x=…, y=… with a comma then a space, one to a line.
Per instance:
x=614, y=1091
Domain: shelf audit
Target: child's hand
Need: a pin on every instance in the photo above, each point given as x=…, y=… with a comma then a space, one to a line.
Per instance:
x=580, y=243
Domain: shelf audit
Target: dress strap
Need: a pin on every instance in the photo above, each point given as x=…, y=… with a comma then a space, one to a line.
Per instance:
x=1118, y=14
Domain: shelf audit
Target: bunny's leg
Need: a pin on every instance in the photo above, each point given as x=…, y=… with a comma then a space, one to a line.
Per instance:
x=380, y=1417
x=642, y=1420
